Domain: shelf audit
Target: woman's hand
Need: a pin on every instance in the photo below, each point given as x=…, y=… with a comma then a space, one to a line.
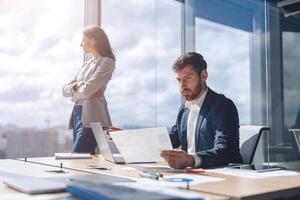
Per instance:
x=75, y=86
x=98, y=94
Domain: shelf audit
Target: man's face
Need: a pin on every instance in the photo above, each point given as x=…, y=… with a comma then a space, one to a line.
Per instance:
x=191, y=83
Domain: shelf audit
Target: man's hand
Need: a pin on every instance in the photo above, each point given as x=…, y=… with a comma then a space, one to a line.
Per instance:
x=178, y=159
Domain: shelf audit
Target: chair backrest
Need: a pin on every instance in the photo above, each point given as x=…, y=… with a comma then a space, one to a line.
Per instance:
x=296, y=133
x=249, y=138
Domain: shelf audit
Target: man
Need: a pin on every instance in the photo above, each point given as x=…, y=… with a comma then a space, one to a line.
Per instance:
x=207, y=126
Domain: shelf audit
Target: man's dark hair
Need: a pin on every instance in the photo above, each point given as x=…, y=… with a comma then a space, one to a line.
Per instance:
x=190, y=58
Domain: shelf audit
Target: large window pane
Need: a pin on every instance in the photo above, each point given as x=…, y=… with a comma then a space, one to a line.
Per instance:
x=146, y=38
x=39, y=52
x=291, y=91
x=229, y=71
x=231, y=37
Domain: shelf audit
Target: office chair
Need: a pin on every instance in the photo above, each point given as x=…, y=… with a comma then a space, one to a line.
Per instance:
x=296, y=133
x=249, y=138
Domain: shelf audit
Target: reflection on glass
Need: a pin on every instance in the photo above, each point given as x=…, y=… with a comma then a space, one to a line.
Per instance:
x=143, y=91
x=226, y=50
x=291, y=80
x=291, y=92
x=230, y=35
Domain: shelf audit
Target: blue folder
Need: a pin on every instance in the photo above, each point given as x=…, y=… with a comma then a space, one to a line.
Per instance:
x=104, y=191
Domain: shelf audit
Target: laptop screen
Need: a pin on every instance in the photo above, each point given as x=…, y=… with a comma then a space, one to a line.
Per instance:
x=101, y=139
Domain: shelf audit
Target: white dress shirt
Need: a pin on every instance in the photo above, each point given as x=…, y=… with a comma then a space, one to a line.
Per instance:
x=194, y=106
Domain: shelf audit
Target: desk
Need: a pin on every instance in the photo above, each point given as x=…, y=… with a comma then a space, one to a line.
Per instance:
x=245, y=188
x=232, y=187
x=77, y=167
x=17, y=169
x=82, y=164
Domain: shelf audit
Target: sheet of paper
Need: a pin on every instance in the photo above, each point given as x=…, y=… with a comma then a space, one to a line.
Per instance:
x=155, y=167
x=142, y=145
x=252, y=173
x=179, y=180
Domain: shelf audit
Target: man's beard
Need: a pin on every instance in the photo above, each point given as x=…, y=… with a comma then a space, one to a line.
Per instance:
x=188, y=95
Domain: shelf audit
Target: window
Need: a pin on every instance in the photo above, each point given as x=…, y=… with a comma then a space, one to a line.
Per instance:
x=146, y=37
x=226, y=50
x=228, y=34
x=39, y=52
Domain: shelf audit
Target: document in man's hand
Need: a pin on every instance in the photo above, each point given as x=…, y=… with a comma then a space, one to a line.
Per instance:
x=142, y=145
x=60, y=156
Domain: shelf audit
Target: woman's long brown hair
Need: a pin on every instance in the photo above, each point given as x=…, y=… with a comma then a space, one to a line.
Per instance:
x=102, y=44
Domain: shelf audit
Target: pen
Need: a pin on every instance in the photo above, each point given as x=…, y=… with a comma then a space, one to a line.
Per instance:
x=155, y=176
x=97, y=167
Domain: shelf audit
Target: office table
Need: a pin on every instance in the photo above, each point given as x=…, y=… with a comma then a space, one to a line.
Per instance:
x=15, y=169
x=38, y=167
x=232, y=187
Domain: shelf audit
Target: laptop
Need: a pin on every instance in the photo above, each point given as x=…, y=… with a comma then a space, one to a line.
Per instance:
x=34, y=185
x=106, y=146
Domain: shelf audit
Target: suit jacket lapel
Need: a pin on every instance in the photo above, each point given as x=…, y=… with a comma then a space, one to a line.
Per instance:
x=202, y=113
x=90, y=70
x=185, y=115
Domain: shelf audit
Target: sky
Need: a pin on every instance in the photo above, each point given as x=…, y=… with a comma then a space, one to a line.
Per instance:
x=40, y=51
x=229, y=73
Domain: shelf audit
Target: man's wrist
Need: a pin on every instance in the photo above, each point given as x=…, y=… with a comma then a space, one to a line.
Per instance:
x=197, y=160
x=191, y=160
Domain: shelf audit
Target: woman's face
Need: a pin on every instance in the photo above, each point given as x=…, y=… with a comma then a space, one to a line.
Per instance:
x=87, y=44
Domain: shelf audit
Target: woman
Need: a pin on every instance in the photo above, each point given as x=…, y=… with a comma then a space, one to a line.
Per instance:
x=88, y=87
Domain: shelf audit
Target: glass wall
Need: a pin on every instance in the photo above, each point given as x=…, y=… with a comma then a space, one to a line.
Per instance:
x=146, y=38
x=227, y=52
x=288, y=109
x=291, y=90
x=251, y=49
x=39, y=52
x=225, y=33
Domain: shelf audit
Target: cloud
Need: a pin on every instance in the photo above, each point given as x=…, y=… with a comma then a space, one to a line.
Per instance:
x=226, y=51
x=143, y=90
x=39, y=52
x=42, y=53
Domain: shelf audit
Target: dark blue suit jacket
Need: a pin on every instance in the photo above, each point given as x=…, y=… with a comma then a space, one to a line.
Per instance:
x=217, y=131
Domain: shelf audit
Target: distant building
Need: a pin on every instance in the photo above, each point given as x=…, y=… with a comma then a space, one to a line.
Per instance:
x=18, y=142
